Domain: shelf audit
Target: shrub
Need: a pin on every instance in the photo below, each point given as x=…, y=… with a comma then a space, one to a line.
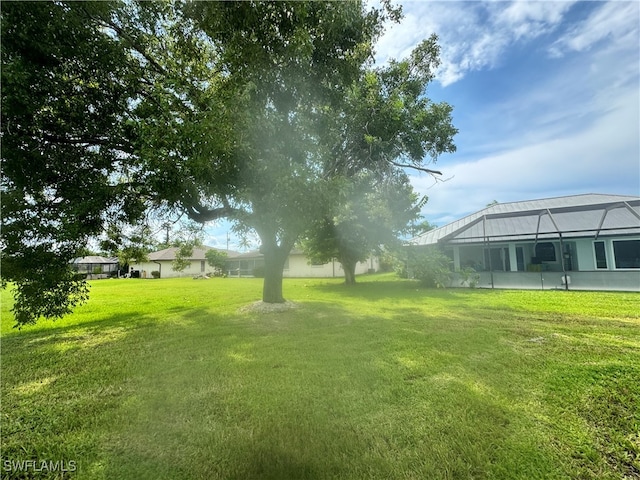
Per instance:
x=469, y=276
x=387, y=261
x=155, y=274
x=430, y=266
x=258, y=272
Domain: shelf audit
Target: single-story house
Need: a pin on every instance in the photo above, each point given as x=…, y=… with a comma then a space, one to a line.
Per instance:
x=162, y=262
x=586, y=242
x=296, y=265
x=96, y=266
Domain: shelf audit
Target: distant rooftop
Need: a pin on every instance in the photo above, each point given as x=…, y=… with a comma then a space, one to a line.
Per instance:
x=198, y=253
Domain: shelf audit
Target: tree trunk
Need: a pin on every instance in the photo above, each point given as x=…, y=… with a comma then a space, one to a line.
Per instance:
x=349, y=267
x=272, y=286
x=274, y=259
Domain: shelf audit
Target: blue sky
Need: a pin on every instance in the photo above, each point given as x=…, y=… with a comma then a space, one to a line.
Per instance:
x=546, y=98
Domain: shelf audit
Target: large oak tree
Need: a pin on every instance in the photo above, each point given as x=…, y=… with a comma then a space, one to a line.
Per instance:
x=237, y=124
x=243, y=110
x=386, y=125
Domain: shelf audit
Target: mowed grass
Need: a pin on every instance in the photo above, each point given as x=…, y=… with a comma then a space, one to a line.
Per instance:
x=168, y=379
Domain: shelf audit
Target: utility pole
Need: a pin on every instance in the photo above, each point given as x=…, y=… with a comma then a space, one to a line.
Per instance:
x=167, y=227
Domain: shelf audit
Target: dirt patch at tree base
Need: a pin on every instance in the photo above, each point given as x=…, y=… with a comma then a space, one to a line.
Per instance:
x=262, y=307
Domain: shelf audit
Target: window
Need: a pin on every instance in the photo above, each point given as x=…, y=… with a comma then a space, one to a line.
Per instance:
x=627, y=253
x=202, y=265
x=601, y=256
x=546, y=252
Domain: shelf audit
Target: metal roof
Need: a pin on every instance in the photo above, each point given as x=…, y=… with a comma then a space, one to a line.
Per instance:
x=573, y=216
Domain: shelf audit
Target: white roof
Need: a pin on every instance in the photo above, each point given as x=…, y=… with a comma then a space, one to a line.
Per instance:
x=198, y=253
x=574, y=216
x=94, y=260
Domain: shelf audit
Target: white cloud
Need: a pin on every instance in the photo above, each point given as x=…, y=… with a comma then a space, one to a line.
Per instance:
x=603, y=157
x=616, y=21
x=531, y=19
x=473, y=35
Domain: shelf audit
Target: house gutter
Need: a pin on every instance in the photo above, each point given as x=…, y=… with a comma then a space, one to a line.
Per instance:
x=159, y=268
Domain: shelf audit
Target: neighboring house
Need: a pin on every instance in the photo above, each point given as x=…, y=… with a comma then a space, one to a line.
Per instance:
x=585, y=242
x=96, y=266
x=296, y=265
x=243, y=265
x=161, y=261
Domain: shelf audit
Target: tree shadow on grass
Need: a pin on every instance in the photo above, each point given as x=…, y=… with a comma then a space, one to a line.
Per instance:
x=318, y=392
x=313, y=393
x=62, y=385
x=409, y=290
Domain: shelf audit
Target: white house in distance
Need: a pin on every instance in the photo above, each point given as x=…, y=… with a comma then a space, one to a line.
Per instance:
x=161, y=261
x=243, y=265
x=581, y=242
x=297, y=265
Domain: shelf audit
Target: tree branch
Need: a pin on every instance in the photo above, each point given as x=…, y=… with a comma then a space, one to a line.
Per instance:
x=195, y=211
x=133, y=42
x=68, y=140
x=415, y=167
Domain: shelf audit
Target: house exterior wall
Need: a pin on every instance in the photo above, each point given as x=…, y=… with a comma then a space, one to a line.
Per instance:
x=298, y=266
x=586, y=256
x=166, y=271
x=582, y=267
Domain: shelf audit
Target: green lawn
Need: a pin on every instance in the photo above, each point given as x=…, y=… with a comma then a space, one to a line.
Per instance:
x=167, y=379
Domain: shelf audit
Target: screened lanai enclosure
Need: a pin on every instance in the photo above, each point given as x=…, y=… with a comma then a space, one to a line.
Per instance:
x=96, y=266
x=582, y=242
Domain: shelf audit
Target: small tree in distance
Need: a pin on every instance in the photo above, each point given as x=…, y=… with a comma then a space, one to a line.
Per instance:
x=367, y=215
x=216, y=259
x=183, y=255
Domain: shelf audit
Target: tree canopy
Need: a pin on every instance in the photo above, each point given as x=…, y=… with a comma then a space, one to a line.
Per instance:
x=243, y=110
x=66, y=89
